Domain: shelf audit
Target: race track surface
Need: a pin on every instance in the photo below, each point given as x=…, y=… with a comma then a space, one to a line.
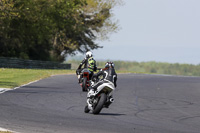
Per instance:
x=143, y=104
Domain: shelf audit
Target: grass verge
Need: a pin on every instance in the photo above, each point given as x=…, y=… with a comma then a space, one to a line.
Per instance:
x=10, y=78
x=5, y=132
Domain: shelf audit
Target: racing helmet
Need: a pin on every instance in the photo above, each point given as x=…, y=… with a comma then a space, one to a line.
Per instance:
x=88, y=54
x=109, y=64
x=112, y=65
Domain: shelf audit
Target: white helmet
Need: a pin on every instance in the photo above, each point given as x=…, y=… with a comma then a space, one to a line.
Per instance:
x=88, y=54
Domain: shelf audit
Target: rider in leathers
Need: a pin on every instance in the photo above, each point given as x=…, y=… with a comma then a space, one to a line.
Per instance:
x=109, y=75
x=88, y=63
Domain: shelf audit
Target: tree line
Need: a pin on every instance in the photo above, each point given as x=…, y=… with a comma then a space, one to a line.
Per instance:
x=149, y=67
x=159, y=68
x=52, y=29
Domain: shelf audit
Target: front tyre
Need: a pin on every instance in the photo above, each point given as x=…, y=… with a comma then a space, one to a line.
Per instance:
x=86, y=109
x=100, y=104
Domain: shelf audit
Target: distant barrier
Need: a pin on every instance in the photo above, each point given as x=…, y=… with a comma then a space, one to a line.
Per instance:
x=21, y=63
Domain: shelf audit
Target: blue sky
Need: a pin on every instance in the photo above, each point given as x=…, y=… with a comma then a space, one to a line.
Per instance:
x=155, y=30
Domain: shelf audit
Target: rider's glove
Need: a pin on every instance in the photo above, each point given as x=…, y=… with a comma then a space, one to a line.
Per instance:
x=91, y=83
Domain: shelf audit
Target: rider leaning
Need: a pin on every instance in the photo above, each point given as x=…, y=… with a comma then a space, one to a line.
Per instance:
x=88, y=63
x=109, y=75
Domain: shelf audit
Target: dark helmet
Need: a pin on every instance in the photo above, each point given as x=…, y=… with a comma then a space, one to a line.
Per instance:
x=109, y=64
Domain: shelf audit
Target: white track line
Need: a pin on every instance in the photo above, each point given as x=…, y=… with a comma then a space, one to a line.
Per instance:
x=2, y=90
x=25, y=84
x=2, y=129
x=6, y=130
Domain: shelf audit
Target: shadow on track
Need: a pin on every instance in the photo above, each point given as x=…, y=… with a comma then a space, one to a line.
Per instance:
x=111, y=114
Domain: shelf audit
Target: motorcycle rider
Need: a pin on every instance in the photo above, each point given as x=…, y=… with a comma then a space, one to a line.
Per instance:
x=109, y=75
x=88, y=63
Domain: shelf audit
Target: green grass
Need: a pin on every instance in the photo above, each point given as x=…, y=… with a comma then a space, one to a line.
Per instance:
x=5, y=132
x=10, y=78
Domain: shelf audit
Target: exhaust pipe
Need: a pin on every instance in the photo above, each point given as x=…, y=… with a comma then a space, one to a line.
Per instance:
x=111, y=100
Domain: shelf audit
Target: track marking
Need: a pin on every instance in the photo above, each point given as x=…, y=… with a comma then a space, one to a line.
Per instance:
x=6, y=130
x=2, y=90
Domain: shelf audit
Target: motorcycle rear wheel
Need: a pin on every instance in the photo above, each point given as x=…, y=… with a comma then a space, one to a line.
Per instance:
x=84, y=84
x=100, y=103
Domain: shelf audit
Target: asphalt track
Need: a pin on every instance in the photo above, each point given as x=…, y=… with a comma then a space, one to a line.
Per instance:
x=143, y=104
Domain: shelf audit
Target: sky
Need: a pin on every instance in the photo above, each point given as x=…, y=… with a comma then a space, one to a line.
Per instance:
x=155, y=30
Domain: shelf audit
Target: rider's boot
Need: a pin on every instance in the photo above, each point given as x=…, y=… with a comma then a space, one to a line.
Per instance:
x=89, y=103
x=90, y=96
x=91, y=92
x=79, y=79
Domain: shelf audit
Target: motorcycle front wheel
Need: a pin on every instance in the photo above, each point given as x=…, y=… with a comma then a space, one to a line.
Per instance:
x=101, y=102
x=86, y=109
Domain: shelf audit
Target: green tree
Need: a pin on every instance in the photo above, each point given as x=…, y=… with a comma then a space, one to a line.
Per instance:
x=49, y=30
x=89, y=21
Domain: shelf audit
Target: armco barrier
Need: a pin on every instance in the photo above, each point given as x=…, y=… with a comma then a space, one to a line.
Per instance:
x=21, y=63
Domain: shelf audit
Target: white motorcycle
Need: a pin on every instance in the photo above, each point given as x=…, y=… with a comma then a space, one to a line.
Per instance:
x=100, y=98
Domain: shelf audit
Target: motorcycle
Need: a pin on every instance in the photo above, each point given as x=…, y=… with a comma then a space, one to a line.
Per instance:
x=84, y=81
x=100, y=98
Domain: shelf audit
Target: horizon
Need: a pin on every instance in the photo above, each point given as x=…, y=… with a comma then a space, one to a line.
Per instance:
x=160, y=31
x=80, y=57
